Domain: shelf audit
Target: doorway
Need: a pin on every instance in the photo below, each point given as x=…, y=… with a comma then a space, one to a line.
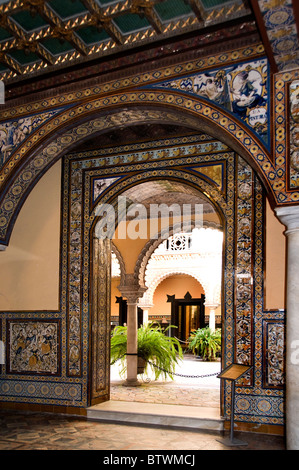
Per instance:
x=187, y=315
x=148, y=189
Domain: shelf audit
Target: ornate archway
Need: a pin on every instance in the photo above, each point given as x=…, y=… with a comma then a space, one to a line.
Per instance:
x=62, y=133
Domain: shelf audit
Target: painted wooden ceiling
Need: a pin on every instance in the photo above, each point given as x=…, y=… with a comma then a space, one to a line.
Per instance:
x=38, y=36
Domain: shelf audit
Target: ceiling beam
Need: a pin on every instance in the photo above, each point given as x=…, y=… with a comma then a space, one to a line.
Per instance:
x=264, y=35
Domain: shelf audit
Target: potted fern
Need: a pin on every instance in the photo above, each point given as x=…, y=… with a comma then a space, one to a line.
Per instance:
x=163, y=351
x=206, y=343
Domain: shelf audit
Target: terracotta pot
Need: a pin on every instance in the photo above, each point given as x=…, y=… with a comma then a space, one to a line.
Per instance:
x=141, y=365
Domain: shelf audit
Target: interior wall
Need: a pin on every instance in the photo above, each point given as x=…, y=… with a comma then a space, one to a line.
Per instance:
x=275, y=262
x=178, y=285
x=29, y=267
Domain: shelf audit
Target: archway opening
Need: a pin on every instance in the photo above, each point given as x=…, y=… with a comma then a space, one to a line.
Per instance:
x=134, y=254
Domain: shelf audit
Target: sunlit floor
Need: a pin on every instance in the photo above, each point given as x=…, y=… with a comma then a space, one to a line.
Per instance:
x=195, y=383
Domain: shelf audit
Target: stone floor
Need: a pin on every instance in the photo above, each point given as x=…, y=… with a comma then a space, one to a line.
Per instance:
x=43, y=431
x=196, y=384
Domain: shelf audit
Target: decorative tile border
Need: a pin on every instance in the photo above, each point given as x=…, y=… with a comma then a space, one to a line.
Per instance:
x=273, y=353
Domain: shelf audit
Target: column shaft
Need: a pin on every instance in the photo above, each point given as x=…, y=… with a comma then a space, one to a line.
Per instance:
x=289, y=216
x=132, y=327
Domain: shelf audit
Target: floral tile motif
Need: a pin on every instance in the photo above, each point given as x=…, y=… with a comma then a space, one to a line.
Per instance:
x=241, y=89
x=14, y=132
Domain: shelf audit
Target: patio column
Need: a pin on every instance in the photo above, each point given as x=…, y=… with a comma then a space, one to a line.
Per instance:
x=145, y=308
x=289, y=216
x=212, y=321
x=132, y=292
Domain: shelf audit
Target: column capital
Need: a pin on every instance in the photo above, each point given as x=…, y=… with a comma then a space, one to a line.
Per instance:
x=131, y=290
x=212, y=306
x=289, y=216
x=145, y=306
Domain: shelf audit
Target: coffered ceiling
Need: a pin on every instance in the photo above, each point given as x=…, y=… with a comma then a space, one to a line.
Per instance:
x=38, y=36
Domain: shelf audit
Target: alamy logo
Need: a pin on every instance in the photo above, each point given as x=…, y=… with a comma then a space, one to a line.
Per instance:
x=146, y=222
x=2, y=353
x=2, y=92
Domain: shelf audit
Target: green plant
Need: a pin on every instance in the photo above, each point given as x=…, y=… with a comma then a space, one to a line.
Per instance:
x=206, y=343
x=154, y=345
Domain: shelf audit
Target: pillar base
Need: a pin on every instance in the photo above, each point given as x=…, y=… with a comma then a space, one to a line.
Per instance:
x=131, y=383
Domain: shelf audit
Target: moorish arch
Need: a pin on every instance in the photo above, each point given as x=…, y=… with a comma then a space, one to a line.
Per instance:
x=147, y=298
x=152, y=245
x=63, y=133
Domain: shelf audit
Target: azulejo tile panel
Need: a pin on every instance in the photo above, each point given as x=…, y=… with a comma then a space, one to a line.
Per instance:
x=285, y=135
x=243, y=90
x=41, y=392
x=15, y=131
x=294, y=133
x=33, y=346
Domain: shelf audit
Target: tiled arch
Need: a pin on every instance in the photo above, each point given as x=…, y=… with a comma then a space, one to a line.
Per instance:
x=59, y=136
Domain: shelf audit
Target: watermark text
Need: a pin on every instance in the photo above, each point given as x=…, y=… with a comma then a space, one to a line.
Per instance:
x=137, y=221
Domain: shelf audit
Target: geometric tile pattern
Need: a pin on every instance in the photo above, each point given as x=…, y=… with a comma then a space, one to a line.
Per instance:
x=280, y=23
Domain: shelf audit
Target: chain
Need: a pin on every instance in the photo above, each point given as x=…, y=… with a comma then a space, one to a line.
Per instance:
x=182, y=375
x=174, y=373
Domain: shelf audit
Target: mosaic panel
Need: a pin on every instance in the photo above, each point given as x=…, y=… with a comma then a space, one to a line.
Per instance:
x=243, y=90
x=14, y=132
x=294, y=133
x=245, y=193
x=33, y=347
x=274, y=348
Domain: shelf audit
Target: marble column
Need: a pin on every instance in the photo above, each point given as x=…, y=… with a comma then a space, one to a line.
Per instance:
x=132, y=292
x=289, y=216
x=212, y=312
x=145, y=308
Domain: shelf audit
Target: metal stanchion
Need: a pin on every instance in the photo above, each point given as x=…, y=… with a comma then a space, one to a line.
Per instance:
x=233, y=373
